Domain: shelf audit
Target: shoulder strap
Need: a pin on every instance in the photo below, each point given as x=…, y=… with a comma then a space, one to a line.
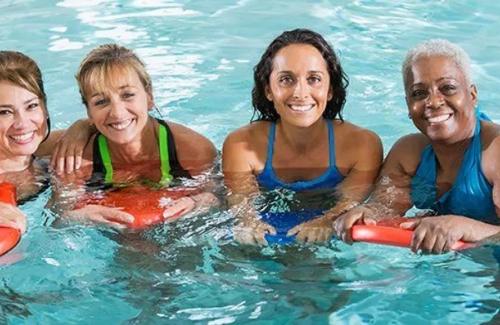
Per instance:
x=106, y=158
x=166, y=176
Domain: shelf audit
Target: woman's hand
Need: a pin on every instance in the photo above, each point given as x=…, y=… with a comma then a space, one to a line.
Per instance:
x=250, y=230
x=358, y=215
x=12, y=217
x=198, y=203
x=112, y=217
x=316, y=230
x=68, y=152
x=438, y=234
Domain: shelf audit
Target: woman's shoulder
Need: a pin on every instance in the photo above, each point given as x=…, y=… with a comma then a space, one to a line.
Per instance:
x=251, y=136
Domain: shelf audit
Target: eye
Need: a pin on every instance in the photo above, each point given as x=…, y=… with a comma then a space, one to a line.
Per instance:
x=100, y=102
x=418, y=94
x=448, y=89
x=314, y=79
x=128, y=95
x=5, y=112
x=33, y=106
x=286, y=80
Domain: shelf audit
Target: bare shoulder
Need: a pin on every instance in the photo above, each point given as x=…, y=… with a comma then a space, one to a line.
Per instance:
x=490, y=138
x=195, y=151
x=356, y=136
x=406, y=152
x=245, y=148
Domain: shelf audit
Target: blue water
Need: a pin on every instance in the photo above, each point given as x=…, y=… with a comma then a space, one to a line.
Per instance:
x=200, y=55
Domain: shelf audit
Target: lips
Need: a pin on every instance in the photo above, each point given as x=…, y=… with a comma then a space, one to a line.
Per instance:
x=121, y=125
x=439, y=118
x=22, y=138
x=301, y=107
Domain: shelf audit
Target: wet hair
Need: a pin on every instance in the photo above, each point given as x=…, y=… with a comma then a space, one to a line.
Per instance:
x=264, y=108
x=437, y=47
x=96, y=69
x=22, y=71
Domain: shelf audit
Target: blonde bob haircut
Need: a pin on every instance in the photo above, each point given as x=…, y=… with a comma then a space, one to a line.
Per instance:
x=22, y=71
x=97, y=68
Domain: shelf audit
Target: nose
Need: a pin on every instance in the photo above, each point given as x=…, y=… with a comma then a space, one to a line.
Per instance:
x=434, y=100
x=116, y=108
x=301, y=89
x=20, y=120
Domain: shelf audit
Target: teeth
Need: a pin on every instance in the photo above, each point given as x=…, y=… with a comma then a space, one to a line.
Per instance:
x=121, y=125
x=23, y=137
x=301, y=108
x=439, y=118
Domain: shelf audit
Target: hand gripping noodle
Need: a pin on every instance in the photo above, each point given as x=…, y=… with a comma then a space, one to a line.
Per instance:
x=145, y=204
x=9, y=237
x=388, y=232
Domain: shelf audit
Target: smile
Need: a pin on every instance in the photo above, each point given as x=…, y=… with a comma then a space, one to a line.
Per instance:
x=121, y=125
x=439, y=118
x=23, y=138
x=301, y=108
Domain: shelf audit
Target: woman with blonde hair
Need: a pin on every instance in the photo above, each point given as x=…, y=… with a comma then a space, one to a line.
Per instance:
x=130, y=144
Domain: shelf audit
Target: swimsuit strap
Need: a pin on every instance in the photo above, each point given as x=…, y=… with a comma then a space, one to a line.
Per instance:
x=166, y=176
x=106, y=158
x=270, y=146
x=331, y=143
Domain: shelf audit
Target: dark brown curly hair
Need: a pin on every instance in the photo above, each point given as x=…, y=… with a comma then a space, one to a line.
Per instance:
x=264, y=109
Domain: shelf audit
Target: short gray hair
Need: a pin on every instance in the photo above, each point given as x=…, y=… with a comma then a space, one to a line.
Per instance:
x=438, y=47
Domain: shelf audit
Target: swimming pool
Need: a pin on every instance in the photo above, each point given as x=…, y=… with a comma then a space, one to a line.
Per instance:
x=201, y=55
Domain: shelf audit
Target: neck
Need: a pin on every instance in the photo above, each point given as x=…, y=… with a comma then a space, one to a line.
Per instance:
x=450, y=155
x=14, y=164
x=302, y=138
x=138, y=150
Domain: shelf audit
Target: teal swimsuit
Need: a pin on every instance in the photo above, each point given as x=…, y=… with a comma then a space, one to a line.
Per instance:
x=471, y=194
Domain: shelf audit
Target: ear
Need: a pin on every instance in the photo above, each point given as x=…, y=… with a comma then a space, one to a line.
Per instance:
x=330, y=94
x=269, y=94
x=151, y=102
x=473, y=93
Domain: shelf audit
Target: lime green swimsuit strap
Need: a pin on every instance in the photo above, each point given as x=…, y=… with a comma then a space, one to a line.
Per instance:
x=166, y=177
x=106, y=158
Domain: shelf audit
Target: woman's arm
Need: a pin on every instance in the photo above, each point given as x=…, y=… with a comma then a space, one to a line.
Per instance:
x=353, y=190
x=391, y=196
x=66, y=146
x=238, y=162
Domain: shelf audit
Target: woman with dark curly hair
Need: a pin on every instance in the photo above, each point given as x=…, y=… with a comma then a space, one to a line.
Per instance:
x=298, y=142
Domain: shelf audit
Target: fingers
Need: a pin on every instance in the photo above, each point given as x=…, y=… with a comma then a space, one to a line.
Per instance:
x=294, y=230
x=113, y=214
x=410, y=225
x=344, y=224
x=67, y=157
x=12, y=217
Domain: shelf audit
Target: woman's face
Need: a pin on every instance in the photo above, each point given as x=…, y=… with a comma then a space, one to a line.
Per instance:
x=120, y=112
x=299, y=85
x=440, y=101
x=23, y=121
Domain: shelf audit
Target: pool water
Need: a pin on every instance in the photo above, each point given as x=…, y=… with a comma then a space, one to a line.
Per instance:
x=201, y=55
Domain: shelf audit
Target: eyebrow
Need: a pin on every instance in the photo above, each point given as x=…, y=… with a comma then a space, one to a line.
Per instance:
x=119, y=88
x=25, y=103
x=440, y=79
x=310, y=71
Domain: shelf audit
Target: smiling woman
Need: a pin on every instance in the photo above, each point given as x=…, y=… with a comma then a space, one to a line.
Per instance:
x=450, y=167
x=299, y=142
x=130, y=145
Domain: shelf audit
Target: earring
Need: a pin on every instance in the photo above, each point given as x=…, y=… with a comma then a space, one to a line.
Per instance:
x=409, y=116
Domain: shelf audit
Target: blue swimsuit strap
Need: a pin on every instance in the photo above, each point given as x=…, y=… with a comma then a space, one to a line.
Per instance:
x=270, y=145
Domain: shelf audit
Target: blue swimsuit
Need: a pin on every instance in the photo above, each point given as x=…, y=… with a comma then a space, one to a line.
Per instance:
x=284, y=221
x=470, y=195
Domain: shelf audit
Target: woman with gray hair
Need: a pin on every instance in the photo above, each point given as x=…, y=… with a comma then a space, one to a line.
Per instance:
x=451, y=167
